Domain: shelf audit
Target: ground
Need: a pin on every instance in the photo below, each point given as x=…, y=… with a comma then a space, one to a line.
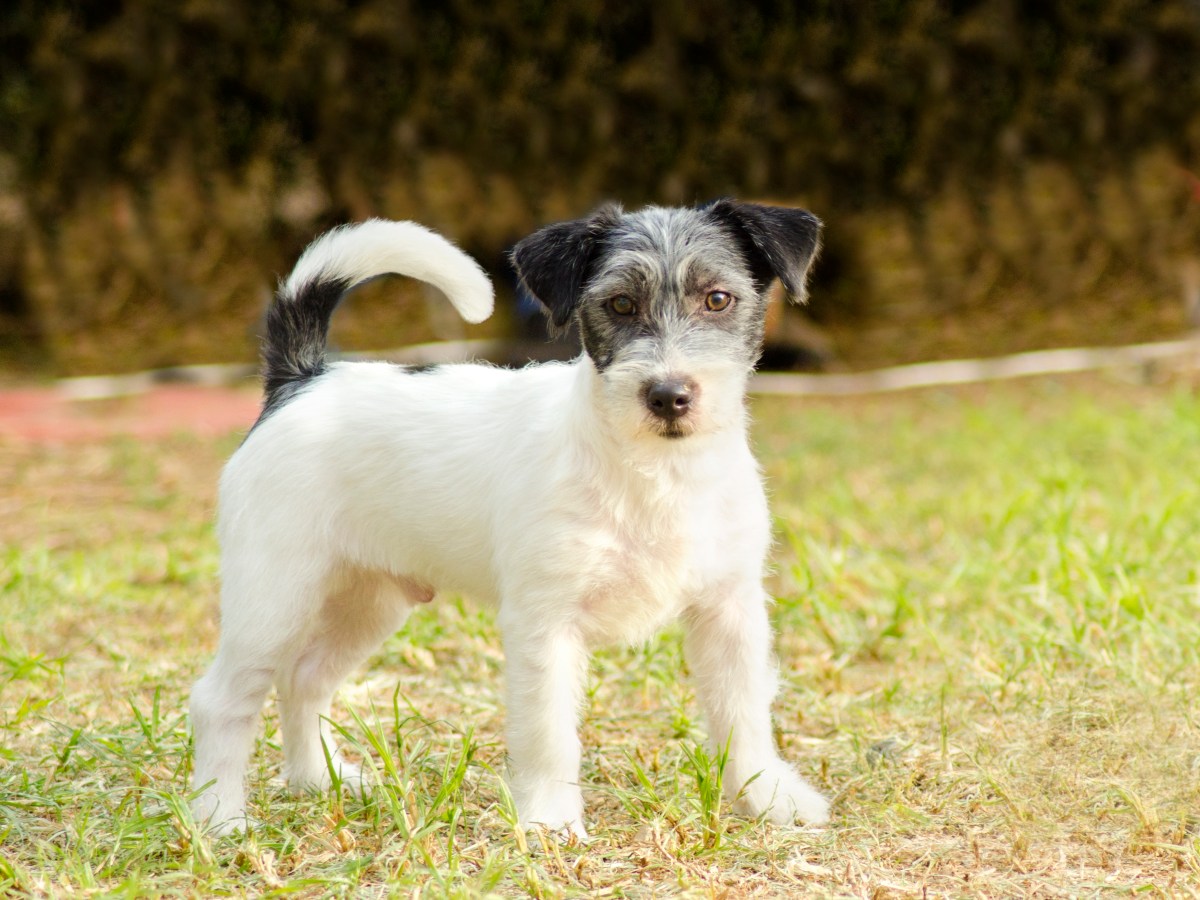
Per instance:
x=988, y=609
x=48, y=414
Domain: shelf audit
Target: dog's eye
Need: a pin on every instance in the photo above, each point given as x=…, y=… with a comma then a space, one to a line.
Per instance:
x=717, y=301
x=622, y=305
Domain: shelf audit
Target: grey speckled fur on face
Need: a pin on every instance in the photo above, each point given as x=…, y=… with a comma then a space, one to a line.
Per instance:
x=672, y=296
x=667, y=261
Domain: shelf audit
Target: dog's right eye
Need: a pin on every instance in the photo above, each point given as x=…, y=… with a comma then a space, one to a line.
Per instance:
x=622, y=306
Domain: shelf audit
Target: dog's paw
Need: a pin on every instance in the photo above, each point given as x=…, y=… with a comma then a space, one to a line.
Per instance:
x=783, y=797
x=354, y=779
x=232, y=827
x=219, y=816
x=351, y=777
x=557, y=808
x=564, y=833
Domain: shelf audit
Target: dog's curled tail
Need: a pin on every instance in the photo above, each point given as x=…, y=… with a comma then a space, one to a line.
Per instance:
x=297, y=323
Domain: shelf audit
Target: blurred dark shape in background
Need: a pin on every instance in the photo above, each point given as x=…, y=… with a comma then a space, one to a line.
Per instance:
x=995, y=176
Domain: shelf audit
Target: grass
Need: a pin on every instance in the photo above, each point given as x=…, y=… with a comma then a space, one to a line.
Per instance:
x=989, y=633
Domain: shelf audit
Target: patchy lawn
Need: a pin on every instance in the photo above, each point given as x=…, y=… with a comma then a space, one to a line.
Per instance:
x=989, y=630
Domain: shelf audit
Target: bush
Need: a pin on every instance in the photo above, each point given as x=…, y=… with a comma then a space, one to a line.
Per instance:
x=993, y=174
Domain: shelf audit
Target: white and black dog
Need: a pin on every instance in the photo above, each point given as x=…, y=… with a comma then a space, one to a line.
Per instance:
x=590, y=502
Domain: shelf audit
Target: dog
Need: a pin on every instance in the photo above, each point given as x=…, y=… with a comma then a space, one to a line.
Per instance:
x=589, y=502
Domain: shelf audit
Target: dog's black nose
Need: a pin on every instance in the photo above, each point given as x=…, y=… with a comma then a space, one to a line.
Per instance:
x=669, y=399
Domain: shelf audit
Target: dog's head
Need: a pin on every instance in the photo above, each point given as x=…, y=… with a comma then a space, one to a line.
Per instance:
x=670, y=303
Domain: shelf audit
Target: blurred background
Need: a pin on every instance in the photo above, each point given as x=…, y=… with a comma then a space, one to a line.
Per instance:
x=994, y=176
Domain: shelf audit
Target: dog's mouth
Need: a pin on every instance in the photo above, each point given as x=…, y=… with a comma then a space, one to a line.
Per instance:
x=674, y=430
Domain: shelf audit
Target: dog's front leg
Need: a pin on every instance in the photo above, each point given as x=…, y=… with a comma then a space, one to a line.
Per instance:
x=546, y=667
x=728, y=648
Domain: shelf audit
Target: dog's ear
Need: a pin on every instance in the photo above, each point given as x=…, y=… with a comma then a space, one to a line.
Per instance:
x=779, y=241
x=553, y=263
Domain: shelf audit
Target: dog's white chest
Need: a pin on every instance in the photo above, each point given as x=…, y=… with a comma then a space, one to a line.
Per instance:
x=635, y=572
x=631, y=586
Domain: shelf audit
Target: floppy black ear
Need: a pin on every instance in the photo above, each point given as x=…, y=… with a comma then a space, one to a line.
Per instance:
x=553, y=263
x=779, y=241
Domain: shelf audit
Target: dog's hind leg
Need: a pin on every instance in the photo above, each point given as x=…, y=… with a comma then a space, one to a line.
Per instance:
x=225, y=707
x=259, y=622
x=269, y=605
x=357, y=616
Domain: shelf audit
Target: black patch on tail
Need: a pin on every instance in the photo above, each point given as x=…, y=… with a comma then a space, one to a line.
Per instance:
x=293, y=351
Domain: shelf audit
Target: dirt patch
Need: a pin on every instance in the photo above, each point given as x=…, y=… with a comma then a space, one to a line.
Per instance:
x=48, y=415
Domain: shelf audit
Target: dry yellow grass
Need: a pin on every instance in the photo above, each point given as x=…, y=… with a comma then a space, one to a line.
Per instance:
x=989, y=629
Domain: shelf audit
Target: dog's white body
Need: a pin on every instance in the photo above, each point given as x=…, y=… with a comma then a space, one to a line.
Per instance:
x=374, y=487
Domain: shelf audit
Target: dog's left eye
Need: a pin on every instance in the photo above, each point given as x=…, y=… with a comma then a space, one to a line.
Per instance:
x=622, y=305
x=717, y=301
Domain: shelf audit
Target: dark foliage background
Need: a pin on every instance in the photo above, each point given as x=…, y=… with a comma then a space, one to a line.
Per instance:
x=995, y=175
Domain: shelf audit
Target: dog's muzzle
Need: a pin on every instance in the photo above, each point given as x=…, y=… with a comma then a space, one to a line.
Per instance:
x=669, y=400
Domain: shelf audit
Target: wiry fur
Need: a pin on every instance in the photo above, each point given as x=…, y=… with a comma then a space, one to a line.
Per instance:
x=558, y=493
x=340, y=260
